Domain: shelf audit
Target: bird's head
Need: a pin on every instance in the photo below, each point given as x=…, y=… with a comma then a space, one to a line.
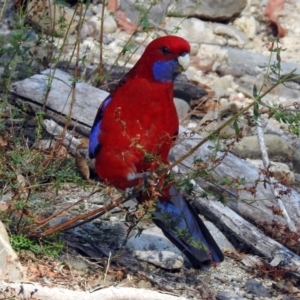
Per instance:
x=164, y=58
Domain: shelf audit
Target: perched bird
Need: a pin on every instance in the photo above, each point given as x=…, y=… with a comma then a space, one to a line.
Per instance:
x=132, y=134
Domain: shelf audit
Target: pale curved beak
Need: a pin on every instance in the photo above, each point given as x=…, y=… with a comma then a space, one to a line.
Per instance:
x=184, y=61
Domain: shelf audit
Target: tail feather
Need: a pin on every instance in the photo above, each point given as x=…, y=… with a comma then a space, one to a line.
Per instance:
x=183, y=227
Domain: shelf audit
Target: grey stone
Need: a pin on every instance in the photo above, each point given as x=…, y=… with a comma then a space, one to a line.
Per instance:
x=256, y=288
x=278, y=149
x=10, y=267
x=75, y=262
x=144, y=284
x=239, y=62
x=252, y=261
x=153, y=12
x=222, y=85
x=49, y=17
x=209, y=9
x=109, y=24
x=182, y=108
x=248, y=25
x=97, y=9
x=152, y=246
x=228, y=296
x=280, y=171
x=227, y=30
x=192, y=29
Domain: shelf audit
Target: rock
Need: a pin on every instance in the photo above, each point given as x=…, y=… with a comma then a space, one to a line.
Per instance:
x=144, y=284
x=223, y=29
x=208, y=9
x=287, y=94
x=223, y=86
x=278, y=150
x=280, y=171
x=153, y=12
x=247, y=25
x=97, y=9
x=228, y=296
x=182, y=108
x=217, y=117
x=239, y=62
x=75, y=262
x=256, y=288
x=3, y=232
x=8, y=16
x=110, y=25
x=152, y=246
x=187, y=90
x=10, y=267
x=252, y=261
x=52, y=18
x=126, y=283
x=93, y=25
x=194, y=30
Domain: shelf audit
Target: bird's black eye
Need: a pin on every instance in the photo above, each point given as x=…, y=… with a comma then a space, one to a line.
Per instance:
x=165, y=50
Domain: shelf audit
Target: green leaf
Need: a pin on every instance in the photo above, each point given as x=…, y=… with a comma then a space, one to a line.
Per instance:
x=236, y=127
x=254, y=92
x=256, y=111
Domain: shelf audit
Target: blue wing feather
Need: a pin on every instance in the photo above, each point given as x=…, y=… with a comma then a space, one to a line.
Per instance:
x=186, y=230
x=94, y=145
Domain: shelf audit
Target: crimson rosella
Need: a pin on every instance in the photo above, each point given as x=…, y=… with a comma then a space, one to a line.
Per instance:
x=137, y=122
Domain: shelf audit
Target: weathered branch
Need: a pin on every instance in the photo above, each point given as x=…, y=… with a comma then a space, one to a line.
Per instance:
x=36, y=291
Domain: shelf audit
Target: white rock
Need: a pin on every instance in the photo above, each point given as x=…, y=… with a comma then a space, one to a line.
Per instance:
x=152, y=246
x=49, y=17
x=194, y=48
x=97, y=9
x=10, y=267
x=222, y=29
x=252, y=261
x=110, y=25
x=247, y=25
x=192, y=29
x=281, y=171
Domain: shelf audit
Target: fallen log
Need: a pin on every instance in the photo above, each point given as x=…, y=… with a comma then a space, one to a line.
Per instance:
x=245, y=232
x=253, y=197
x=36, y=291
x=34, y=92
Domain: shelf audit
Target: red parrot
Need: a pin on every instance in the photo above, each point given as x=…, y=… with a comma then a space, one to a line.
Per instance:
x=137, y=122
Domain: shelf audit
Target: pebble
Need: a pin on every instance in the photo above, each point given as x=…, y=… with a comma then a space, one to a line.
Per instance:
x=228, y=296
x=247, y=25
x=152, y=246
x=230, y=31
x=256, y=288
x=182, y=108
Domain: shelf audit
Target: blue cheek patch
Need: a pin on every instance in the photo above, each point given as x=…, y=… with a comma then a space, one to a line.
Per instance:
x=94, y=145
x=164, y=71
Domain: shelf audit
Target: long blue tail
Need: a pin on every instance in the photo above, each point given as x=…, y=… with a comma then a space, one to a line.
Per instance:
x=183, y=227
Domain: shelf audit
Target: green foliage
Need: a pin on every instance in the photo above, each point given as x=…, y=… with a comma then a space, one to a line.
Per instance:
x=50, y=247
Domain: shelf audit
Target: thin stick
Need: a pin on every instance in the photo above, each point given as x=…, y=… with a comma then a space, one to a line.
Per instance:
x=272, y=182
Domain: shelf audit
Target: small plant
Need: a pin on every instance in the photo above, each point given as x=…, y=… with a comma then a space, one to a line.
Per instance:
x=50, y=247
